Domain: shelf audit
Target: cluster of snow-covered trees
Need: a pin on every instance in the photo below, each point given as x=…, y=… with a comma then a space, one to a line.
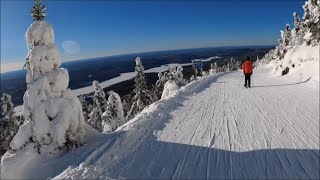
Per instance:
x=107, y=114
x=232, y=65
x=306, y=33
x=9, y=123
x=104, y=114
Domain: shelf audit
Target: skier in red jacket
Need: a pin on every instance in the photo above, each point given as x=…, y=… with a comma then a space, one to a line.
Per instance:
x=247, y=70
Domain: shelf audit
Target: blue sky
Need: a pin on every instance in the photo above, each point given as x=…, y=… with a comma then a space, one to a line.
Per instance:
x=102, y=28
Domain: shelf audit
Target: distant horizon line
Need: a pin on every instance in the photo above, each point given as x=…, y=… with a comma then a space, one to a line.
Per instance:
x=154, y=51
x=16, y=66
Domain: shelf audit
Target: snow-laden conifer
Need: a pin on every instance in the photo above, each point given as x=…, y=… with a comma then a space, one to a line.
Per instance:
x=113, y=117
x=9, y=123
x=180, y=81
x=100, y=105
x=53, y=115
x=86, y=107
x=142, y=97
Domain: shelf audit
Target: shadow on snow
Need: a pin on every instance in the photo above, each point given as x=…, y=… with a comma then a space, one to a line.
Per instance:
x=291, y=84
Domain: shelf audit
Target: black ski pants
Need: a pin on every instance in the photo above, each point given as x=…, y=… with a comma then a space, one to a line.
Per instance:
x=247, y=79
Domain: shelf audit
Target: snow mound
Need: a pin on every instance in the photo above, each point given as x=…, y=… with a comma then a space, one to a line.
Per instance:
x=39, y=33
x=302, y=62
x=170, y=88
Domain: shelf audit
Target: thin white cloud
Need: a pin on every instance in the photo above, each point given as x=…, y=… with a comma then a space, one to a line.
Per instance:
x=11, y=67
x=71, y=47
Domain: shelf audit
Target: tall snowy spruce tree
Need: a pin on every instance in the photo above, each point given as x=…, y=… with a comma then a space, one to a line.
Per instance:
x=142, y=97
x=53, y=116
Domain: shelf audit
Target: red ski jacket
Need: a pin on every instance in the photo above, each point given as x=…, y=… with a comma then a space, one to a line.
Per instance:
x=247, y=67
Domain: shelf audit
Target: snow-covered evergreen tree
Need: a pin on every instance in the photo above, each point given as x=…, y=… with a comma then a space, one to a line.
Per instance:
x=9, y=124
x=142, y=97
x=100, y=105
x=99, y=97
x=237, y=65
x=311, y=22
x=213, y=67
x=95, y=117
x=287, y=36
x=212, y=70
x=115, y=107
x=86, y=107
x=296, y=33
x=126, y=104
x=53, y=115
x=233, y=65
x=7, y=106
x=180, y=81
x=113, y=117
x=157, y=89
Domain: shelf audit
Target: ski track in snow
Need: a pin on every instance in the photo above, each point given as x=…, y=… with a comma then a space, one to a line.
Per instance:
x=214, y=128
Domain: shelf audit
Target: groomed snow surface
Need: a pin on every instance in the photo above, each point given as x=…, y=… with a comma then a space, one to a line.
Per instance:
x=211, y=128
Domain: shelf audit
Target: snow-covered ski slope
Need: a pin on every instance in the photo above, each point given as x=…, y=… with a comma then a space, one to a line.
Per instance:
x=214, y=128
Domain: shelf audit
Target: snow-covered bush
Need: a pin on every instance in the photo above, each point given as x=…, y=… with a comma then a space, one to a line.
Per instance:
x=175, y=74
x=212, y=68
x=180, y=81
x=113, y=117
x=142, y=97
x=169, y=89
